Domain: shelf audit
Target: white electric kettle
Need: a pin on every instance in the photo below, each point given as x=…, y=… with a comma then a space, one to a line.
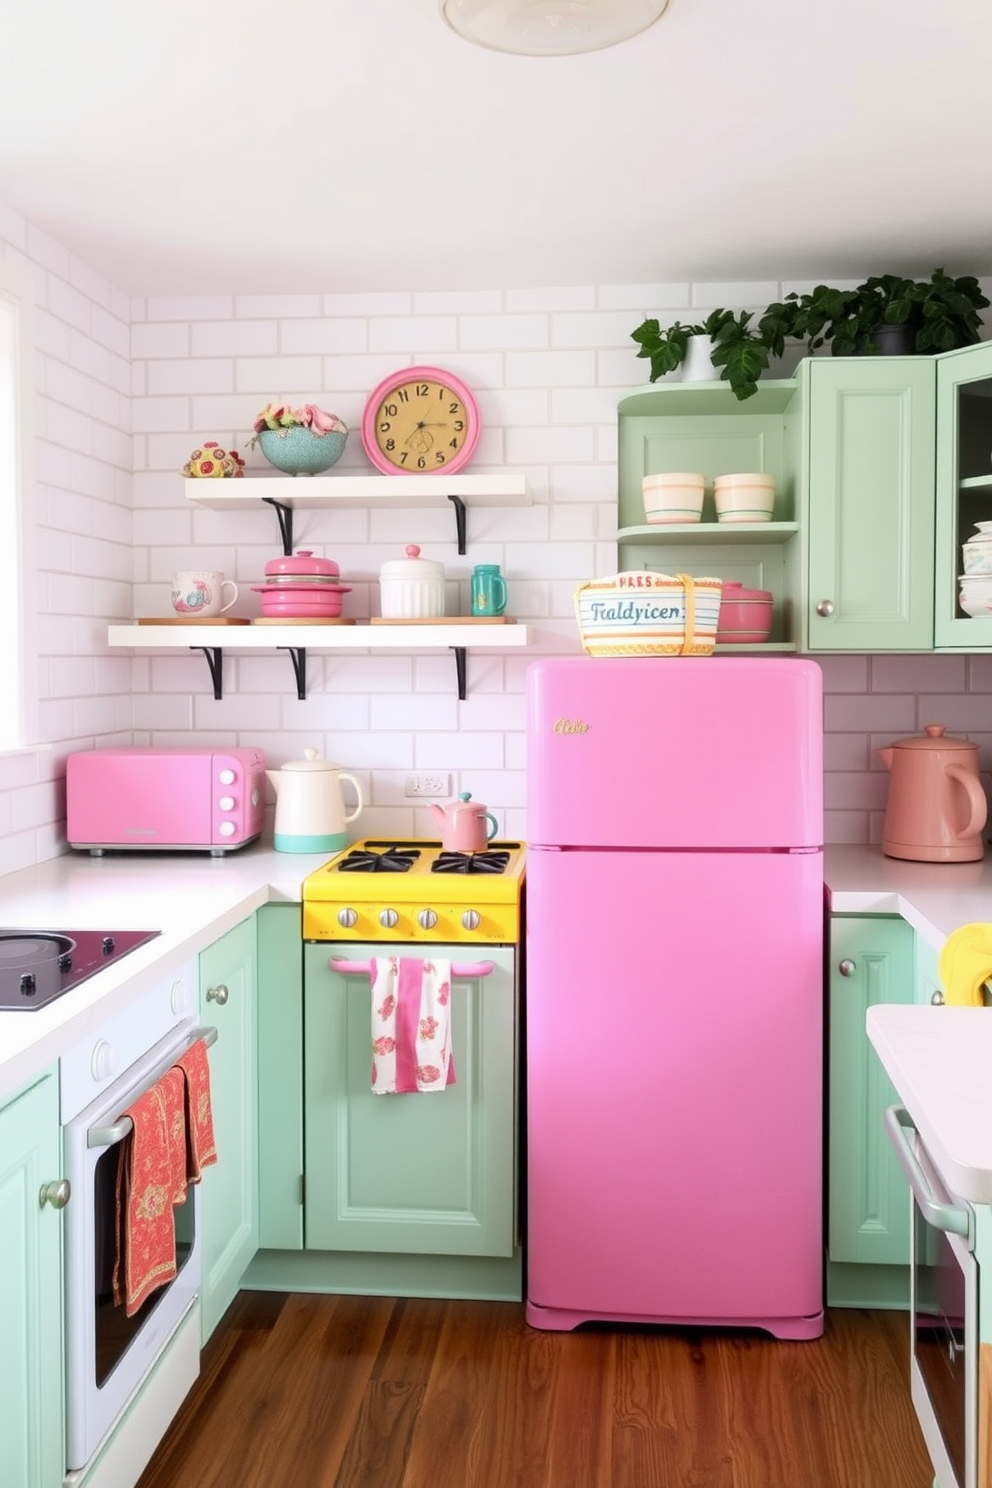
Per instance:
x=310, y=814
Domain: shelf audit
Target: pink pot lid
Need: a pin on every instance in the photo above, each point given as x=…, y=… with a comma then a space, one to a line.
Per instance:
x=933, y=737
x=303, y=562
x=734, y=590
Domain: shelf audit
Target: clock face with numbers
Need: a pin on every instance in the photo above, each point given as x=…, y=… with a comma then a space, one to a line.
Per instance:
x=420, y=421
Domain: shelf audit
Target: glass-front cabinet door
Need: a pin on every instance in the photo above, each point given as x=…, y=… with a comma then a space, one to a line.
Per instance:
x=963, y=612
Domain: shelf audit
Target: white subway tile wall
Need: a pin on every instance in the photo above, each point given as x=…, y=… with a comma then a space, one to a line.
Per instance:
x=128, y=387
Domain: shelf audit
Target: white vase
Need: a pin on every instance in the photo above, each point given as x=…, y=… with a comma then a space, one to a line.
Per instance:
x=697, y=366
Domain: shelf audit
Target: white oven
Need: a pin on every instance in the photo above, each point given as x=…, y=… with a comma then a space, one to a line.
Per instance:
x=112, y=1360
x=944, y=1311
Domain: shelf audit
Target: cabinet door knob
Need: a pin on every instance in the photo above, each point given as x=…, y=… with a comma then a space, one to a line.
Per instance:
x=825, y=607
x=218, y=994
x=847, y=968
x=55, y=1193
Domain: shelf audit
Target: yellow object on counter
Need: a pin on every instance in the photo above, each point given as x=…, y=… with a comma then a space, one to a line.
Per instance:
x=965, y=965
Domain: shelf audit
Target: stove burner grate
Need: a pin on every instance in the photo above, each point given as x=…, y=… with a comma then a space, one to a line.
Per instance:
x=391, y=860
x=493, y=860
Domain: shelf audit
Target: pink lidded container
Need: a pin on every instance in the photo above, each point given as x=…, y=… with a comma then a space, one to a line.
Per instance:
x=745, y=615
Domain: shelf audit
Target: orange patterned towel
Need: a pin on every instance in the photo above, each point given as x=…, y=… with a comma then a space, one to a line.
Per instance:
x=201, y=1150
x=149, y=1182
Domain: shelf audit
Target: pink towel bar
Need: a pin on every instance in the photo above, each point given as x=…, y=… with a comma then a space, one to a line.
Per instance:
x=458, y=968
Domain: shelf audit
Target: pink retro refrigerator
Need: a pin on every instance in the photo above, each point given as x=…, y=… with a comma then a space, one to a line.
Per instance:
x=674, y=992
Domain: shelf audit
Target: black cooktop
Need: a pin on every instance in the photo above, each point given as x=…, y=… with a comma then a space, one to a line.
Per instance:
x=36, y=966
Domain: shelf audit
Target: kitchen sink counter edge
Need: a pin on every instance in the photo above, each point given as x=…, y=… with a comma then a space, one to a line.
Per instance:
x=938, y=1058
x=191, y=898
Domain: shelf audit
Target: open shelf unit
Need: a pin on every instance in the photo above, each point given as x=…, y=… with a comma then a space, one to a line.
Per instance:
x=289, y=493
x=214, y=640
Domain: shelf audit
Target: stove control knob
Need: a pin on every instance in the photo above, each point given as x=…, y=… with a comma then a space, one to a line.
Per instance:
x=347, y=918
x=103, y=1060
x=389, y=919
x=28, y=984
x=427, y=919
x=108, y=944
x=471, y=919
x=65, y=962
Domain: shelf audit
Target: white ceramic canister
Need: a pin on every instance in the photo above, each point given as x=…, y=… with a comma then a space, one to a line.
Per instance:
x=411, y=588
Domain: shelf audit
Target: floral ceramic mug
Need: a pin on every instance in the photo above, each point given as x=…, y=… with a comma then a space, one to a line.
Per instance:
x=199, y=593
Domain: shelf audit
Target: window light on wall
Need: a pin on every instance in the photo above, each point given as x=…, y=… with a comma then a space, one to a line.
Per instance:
x=18, y=686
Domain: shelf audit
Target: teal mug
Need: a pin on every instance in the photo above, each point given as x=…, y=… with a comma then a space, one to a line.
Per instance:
x=488, y=590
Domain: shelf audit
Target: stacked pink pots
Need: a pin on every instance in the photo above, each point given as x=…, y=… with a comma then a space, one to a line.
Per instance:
x=302, y=587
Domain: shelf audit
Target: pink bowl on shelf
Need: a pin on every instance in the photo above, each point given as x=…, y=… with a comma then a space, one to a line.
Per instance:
x=745, y=615
x=302, y=601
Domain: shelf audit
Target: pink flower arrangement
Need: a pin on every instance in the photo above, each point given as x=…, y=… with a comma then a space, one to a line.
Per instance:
x=280, y=417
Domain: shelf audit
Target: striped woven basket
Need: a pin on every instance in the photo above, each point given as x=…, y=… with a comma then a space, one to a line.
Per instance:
x=641, y=613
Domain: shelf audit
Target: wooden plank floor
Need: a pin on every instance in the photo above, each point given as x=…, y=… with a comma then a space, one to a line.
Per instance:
x=372, y=1392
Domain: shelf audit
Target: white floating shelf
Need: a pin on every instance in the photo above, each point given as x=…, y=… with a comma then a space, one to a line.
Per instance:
x=320, y=637
x=358, y=490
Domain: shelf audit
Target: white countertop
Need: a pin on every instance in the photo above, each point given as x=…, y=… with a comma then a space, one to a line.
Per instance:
x=938, y=1058
x=935, y=898
x=940, y=1061
x=191, y=898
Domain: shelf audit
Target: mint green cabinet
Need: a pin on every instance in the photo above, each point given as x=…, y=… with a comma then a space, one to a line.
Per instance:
x=280, y=1077
x=871, y=960
x=429, y=1174
x=32, y=1451
x=866, y=452
x=964, y=486
x=229, y=1189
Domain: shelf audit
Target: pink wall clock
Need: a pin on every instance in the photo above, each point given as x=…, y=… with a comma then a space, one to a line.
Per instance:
x=420, y=421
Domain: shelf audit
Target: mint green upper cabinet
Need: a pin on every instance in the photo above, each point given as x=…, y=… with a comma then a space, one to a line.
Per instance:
x=703, y=427
x=964, y=485
x=871, y=960
x=866, y=449
x=427, y=1174
x=229, y=1197
x=32, y=1453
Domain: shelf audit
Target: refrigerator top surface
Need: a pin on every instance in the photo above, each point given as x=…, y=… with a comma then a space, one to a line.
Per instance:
x=675, y=752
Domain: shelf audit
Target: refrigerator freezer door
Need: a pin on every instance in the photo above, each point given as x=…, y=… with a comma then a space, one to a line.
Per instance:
x=674, y=1052
x=696, y=752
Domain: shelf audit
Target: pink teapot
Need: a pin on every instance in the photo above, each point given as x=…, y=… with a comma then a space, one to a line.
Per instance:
x=463, y=824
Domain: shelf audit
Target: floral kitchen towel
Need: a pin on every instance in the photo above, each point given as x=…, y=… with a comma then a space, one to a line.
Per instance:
x=151, y=1178
x=201, y=1149
x=411, y=1025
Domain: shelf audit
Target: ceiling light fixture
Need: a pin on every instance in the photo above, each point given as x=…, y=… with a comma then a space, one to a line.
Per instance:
x=550, y=28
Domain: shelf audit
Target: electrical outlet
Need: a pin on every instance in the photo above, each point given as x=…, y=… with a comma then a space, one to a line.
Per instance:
x=427, y=783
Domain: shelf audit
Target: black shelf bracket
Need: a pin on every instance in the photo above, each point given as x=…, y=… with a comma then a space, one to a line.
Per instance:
x=459, y=506
x=298, y=656
x=215, y=661
x=460, y=670
x=285, y=515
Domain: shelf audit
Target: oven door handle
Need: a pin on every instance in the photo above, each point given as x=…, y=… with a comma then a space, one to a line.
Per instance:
x=458, y=968
x=109, y=1136
x=955, y=1219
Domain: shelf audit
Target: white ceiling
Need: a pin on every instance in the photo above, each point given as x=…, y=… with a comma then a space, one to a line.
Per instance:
x=238, y=146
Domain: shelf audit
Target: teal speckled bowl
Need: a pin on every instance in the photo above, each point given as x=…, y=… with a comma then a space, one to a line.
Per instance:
x=299, y=451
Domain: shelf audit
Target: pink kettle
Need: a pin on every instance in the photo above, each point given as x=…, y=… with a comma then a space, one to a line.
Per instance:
x=463, y=825
x=937, y=807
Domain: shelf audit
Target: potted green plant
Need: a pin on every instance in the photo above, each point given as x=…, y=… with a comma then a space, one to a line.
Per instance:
x=936, y=314
x=737, y=348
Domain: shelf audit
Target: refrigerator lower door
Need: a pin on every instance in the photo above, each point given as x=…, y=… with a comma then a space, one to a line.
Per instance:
x=674, y=1088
